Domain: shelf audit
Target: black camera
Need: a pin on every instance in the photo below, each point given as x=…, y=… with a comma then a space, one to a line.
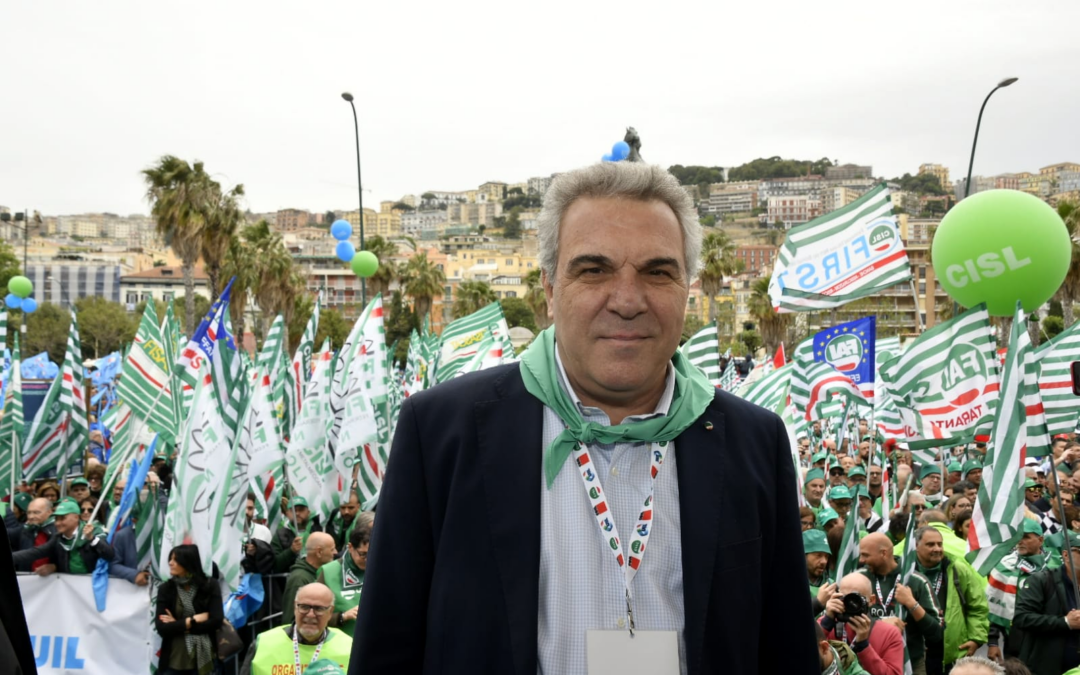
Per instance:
x=854, y=605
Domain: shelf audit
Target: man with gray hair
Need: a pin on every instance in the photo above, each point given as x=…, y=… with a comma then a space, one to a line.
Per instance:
x=487, y=558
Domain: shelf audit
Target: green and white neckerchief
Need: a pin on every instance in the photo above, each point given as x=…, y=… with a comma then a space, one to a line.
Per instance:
x=540, y=373
x=935, y=575
x=833, y=669
x=75, y=542
x=351, y=576
x=35, y=529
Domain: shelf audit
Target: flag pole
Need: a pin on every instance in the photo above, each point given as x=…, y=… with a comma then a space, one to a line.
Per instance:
x=918, y=311
x=1065, y=531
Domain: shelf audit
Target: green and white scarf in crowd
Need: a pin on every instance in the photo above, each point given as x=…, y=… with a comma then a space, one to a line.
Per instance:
x=539, y=370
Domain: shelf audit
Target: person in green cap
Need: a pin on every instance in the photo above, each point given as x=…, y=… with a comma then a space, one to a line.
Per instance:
x=345, y=577
x=301, y=647
x=973, y=472
x=814, y=489
x=291, y=537
x=818, y=460
x=837, y=474
x=72, y=551
x=930, y=477
x=818, y=553
x=16, y=516
x=1010, y=575
x=840, y=500
x=78, y=489
x=827, y=519
x=869, y=521
x=856, y=476
x=956, y=470
x=340, y=522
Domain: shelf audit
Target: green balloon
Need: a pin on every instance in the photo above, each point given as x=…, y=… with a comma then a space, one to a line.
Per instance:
x=1001, y=246
x=21, y=286
x=364, y=264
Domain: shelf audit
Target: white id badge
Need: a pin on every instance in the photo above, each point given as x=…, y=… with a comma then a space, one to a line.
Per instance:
x=614, y=652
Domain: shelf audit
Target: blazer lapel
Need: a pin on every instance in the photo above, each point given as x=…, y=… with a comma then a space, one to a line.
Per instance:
x=509, y=436
x=701, y=463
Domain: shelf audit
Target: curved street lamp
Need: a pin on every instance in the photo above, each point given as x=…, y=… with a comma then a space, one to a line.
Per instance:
x=1004, y=83
x=360, y=191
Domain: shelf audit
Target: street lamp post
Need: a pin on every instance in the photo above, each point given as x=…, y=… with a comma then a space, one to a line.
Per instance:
x=360, y=191
x=971, y=163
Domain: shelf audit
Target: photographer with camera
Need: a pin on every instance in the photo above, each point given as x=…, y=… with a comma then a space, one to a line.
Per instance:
x=878, y=645
x=916, y=598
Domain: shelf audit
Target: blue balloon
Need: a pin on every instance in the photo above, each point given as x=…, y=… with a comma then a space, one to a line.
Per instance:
x=607, y=158
x=29, y=305
x=345, y=251
x=620, y=151
x=13, y=301
x=341, y=230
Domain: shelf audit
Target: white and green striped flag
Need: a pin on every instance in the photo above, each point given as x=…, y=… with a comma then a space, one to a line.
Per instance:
x=146, y=380
x=461, y=337
x=703, y=350
x=261, y=439
x=842, y=256
x=128, y=434
x=945, y=384
x=771, y=391
x=816, y=388
x=73, y=400
x=231, y=380
x=3, y=330
x=359, y=400
x=45, y=438
x=729, y=379
x=148, y=524
x=996, y=522
x=1060, y=406
x=300, y=368
x=200, y=470
x=415, y=367
x=307, y=457
x=11, y=425
x=847, y=558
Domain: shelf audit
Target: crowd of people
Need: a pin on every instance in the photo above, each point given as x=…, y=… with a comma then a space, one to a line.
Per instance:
x=939, y=610
x=312, y=574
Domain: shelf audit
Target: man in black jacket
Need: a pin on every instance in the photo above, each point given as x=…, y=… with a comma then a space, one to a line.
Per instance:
x=69, y=552
x=290, y=539
x=1046, y=611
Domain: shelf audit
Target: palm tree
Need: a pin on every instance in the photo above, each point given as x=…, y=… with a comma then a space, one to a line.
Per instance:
x=717, y=261
x=471, y=296
x=177, y=192
x=384, y=250
x=243, y=261
x=536, y=299
x=772, y=324
x=1069, y=292
x=423, y=281
x=221, y=220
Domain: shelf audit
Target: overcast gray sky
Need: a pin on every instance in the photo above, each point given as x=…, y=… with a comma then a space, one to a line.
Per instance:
x=452, y=94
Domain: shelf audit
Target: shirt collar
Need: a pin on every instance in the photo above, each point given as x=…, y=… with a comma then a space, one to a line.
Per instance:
x=662, y=406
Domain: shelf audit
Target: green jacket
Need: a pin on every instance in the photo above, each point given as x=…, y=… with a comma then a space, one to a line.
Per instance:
x=1040, y=613
x=967, y=613
x=301, y=574
x=917, y=633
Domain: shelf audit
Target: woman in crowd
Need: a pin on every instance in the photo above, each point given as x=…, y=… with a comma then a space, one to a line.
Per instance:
x=957, y=505
x=188, y=615
x=95, y=475
x=86, y=509
x=49, y=490
x=962, y=524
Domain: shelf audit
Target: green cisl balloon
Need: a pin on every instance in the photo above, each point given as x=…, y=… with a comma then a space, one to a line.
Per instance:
x=364, y=264
x=21, y=286
x=1001, y=246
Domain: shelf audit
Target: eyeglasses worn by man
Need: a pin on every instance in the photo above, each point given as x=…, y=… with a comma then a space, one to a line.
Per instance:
x=598, y=503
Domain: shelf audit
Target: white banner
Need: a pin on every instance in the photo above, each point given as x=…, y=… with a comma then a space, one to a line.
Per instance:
x=69, y=635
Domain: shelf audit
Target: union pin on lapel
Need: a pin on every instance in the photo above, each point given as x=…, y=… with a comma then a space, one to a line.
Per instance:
x=708, y=425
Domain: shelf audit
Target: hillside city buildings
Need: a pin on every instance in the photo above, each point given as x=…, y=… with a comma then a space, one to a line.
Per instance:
x=462, y=232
